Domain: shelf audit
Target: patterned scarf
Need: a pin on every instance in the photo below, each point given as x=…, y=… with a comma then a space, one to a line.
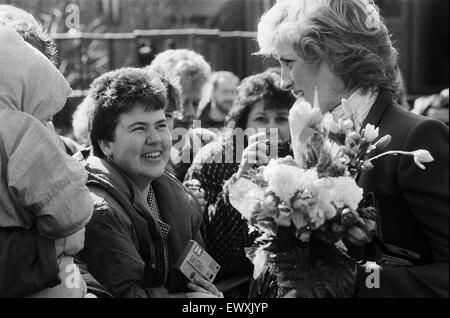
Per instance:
x=163, y=227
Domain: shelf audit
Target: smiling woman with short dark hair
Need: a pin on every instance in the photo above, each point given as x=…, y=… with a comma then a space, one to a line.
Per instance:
x=143, y=217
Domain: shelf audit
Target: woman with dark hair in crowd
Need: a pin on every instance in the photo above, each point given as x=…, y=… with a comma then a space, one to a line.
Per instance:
x=260, y=104
x=343, y=48
x=143, y=217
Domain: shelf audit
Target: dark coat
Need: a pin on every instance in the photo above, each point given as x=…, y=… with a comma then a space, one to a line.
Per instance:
x=27, y=262
x=413, y=203
x=123, y=247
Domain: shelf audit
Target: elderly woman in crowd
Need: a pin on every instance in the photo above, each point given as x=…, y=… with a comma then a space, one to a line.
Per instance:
x=143, y=217
x=188, y=71
x=260, y=104
x=343, y=48
x=191, y=73
x=43, y=197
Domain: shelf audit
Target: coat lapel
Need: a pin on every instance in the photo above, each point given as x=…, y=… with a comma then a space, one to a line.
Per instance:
x=379, y=107
x=375, y=115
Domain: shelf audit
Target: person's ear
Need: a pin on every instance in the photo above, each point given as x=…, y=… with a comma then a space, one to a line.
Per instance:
x=106, y=147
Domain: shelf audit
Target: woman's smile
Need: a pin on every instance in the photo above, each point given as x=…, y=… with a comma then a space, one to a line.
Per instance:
x=153, y=156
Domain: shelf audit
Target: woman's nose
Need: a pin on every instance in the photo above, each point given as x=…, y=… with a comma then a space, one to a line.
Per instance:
x=153, y=138
x=287, y=83
x=272, y=131
x=273, y=127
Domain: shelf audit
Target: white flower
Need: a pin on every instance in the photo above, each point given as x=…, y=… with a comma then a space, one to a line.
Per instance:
x=345, y=125
x=285, y=180
x=307, y=179
x=325, y=199
x=347, y=193
x=244, y=196
x=316, y=118
x=332, y=148
x=282, y=179
x=421, y=156
x=335, y=193
x=329, y=124
x=317, y=216
x=370, y=132
x=301, y=116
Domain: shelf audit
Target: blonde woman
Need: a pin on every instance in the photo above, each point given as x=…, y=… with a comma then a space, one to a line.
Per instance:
x=343, y=48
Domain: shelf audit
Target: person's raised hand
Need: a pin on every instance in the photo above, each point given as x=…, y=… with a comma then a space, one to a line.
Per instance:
x=256, y=153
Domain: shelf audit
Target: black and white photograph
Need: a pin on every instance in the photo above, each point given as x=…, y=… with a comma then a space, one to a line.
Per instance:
x=224, y=153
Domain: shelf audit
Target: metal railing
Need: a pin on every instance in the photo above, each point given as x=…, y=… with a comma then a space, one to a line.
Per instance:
x=225, y=50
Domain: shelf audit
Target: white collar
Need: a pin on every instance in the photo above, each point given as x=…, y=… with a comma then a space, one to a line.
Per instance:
x=357, y=106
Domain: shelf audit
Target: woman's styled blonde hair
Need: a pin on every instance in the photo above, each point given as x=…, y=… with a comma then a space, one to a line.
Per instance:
x=349, y=35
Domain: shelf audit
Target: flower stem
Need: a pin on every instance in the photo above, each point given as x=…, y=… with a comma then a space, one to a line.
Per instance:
x=392, y=152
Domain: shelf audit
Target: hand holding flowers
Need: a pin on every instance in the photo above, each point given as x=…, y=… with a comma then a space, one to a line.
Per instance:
x=308, y=203
x=316, y=190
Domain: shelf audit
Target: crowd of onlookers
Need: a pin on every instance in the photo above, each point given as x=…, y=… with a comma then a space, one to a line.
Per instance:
x=179, y=87
x=114, y=209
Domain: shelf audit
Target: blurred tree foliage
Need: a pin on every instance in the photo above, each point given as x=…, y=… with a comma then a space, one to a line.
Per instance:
x=83, y=60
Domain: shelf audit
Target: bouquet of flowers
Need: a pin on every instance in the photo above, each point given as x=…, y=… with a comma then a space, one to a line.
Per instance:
x=305, y=205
